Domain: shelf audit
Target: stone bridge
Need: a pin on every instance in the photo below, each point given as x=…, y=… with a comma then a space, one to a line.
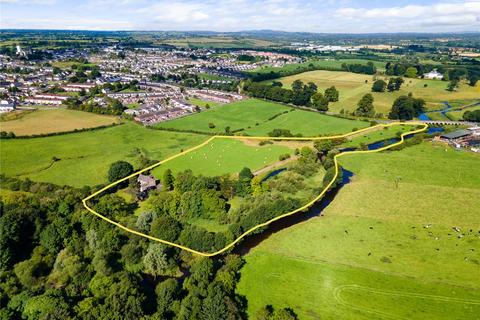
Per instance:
x=448, y=122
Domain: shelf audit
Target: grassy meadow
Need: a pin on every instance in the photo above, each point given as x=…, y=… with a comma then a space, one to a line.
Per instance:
x=86, y=156
x=385, y=247
x=203, y=103
x=224, y=156
x=218, y=42
x=54, y=120
x=259, y=117
x=458, y=114
x=353, y=86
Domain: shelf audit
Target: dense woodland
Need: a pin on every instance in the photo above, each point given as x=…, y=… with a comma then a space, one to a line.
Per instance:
x=57, y=261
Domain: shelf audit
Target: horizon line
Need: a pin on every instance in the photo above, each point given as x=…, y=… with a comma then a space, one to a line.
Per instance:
x=252, y=30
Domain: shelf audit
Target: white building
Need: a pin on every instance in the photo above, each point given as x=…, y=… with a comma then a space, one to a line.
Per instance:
x=434, y=74
x=6, y=106
x=46, y=98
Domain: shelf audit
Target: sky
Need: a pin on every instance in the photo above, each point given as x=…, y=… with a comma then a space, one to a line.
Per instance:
x=331, y=16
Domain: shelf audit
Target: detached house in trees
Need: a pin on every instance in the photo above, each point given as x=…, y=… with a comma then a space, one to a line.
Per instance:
x=146, y=183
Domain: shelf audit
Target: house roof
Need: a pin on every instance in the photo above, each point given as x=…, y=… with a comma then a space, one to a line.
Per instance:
x=146, y=182
x=456, y=134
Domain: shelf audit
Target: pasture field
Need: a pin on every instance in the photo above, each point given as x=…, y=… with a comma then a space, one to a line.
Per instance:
x=352, y=87
x=86, y=156
x=259, y=117
x=308, y=124
x=225, y=156
x=385, y=247
x=235, y=115
x=69, y=64
x=458, y=114
x=218, y=42
x=203, y=103
x=55, y=120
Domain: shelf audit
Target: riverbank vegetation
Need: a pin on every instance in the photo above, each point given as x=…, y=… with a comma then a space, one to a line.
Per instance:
x=58, y=261
x=226, y=205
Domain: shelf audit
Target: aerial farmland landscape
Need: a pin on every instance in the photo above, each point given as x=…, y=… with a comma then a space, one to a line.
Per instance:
x=264, y=160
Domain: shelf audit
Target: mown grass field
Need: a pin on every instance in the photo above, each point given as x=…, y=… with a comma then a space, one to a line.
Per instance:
x=255, y=117
x=382, y=250
x=55, y=120
x=85, y=157
x=352, y=87
x=235, y=115
x=224, y=156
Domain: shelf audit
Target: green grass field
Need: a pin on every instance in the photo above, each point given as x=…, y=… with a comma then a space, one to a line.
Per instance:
x=86, y=156
x=308, y=124
x=203, y=103
x=253, y=116
x=224, y=156
x=381, y=251
x=55, y=120
x=218, y=42
x=235, y=115
x=352, y=87
x=69, y=64
x=458, y=114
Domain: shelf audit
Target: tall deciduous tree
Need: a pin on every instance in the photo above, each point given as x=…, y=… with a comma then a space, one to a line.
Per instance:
x=168, y=180
x=319, y=102
x=119, y=170
x=331, y=94
x=365, y=106
x=379, y=86
x=155, y=260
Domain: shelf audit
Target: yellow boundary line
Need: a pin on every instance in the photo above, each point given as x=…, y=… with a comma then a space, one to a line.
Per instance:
x=309, y=204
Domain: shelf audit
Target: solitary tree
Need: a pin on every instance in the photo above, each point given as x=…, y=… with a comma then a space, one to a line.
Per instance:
x=365, y=106
x=379, y=86
x=119, y=170
x=453, y=85
x=168, y=180
x=331, y=94
x=394, y=84
x=411, y=72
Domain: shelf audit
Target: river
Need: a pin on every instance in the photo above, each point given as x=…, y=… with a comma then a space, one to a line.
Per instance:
x=316, y=210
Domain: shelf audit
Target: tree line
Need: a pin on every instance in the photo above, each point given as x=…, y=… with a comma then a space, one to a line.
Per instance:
x=300, y=94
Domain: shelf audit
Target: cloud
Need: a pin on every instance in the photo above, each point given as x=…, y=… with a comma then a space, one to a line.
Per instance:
x=353, y=16
x=464, y=14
